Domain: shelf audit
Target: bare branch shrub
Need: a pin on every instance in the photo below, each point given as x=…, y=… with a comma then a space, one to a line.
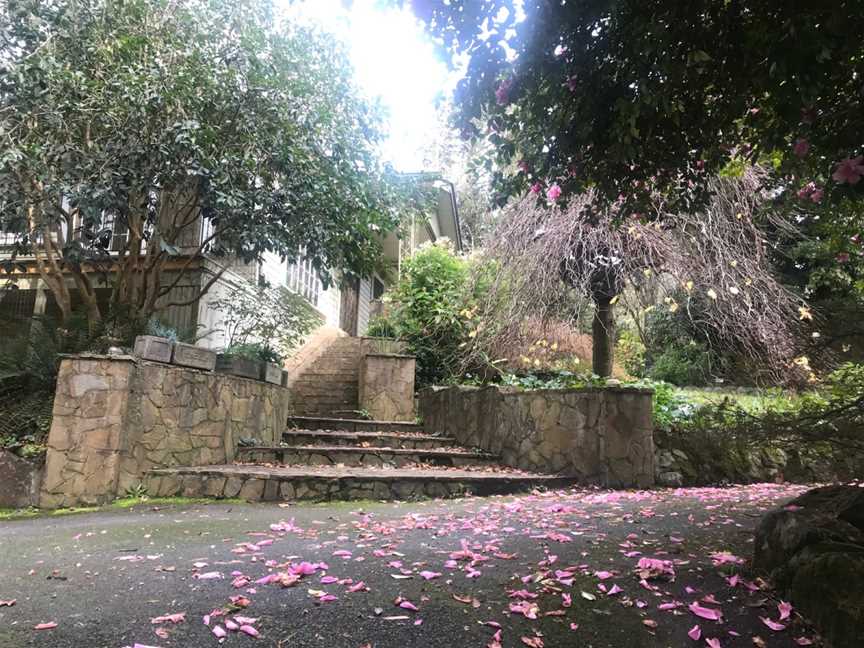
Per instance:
x=548, y=263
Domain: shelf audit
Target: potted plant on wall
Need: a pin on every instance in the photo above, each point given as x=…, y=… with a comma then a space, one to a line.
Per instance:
x=251, y=360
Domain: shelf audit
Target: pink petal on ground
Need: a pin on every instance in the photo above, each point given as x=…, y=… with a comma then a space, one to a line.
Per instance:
x=418, y=622
x=603, y=575
x=725, y=558
x=8, y=603
x=249, y=630
x=785, y=609
x=342, y=553
x=574, y=626
x=244, y=620
x=533, y=642
x=328, y=580
x=776, y=627
x=733, y=580
x=232, y=625
x=614, y=590
x=704, y=612
x=219, y=631
x=803, y=641
x=169, y=618
x=429, y=575
x=357, y=587
x=566, y=600
x=408, y=605
x=209, y=576
x=695, y=633
x=713, y=643
x=45, y=626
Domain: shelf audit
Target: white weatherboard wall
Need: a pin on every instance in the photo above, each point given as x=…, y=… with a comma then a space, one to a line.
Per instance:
x=275, y=271
x=363, y=308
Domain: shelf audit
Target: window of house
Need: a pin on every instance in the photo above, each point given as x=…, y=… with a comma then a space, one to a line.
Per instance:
x=303, y=280
x=377, y=288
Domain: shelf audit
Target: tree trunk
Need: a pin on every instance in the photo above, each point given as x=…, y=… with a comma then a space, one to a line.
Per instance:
x=603, y=337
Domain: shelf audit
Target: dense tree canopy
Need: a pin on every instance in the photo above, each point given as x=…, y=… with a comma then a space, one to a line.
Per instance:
x=638, y=97
x=137, y=116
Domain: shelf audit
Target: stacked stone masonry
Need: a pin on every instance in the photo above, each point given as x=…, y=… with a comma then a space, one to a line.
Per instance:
x=274, y=484
x=599, y=436
x=116, y=417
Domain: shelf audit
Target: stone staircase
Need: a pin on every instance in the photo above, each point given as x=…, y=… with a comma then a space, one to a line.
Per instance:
x=327, y=458
x=328, y=385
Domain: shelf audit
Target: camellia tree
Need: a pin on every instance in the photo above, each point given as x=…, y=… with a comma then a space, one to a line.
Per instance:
x=138, y=135
x=628, y=98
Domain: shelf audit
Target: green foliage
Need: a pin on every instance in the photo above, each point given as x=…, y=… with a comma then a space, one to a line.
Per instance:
x=265, y=323
x=254, y=351
x=152, y=113
x=682, y=364
x=677, y=351
x=828, y=420
x=671, y=406
x=550, y=380
x=382, y=327
x=630, y=352
x=632, y=98
x=430, y=311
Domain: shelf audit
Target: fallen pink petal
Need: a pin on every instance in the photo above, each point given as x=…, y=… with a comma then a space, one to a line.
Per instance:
x=776, y=627
x=704, y=612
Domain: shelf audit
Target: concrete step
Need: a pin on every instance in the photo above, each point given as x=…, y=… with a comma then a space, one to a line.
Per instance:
x=370, y=456
x=265, y=483
x=351, y=424
x=398, y=440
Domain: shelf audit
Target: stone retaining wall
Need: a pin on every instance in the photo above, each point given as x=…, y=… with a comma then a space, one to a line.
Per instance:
x=115, y=417
x=600, y=436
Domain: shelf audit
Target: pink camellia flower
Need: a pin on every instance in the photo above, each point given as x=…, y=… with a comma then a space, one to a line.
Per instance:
x=811, y=192
x=536, y=188
x=842, y=257
x=502, y=94
x=523, y=166
x=801, y=147
x=572, y=83
x=849, y=170
x=553, y=193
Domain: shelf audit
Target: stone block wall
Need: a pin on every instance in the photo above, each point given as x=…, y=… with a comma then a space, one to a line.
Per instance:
x=386, y=387
x=115, y=417
x=600, y=436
